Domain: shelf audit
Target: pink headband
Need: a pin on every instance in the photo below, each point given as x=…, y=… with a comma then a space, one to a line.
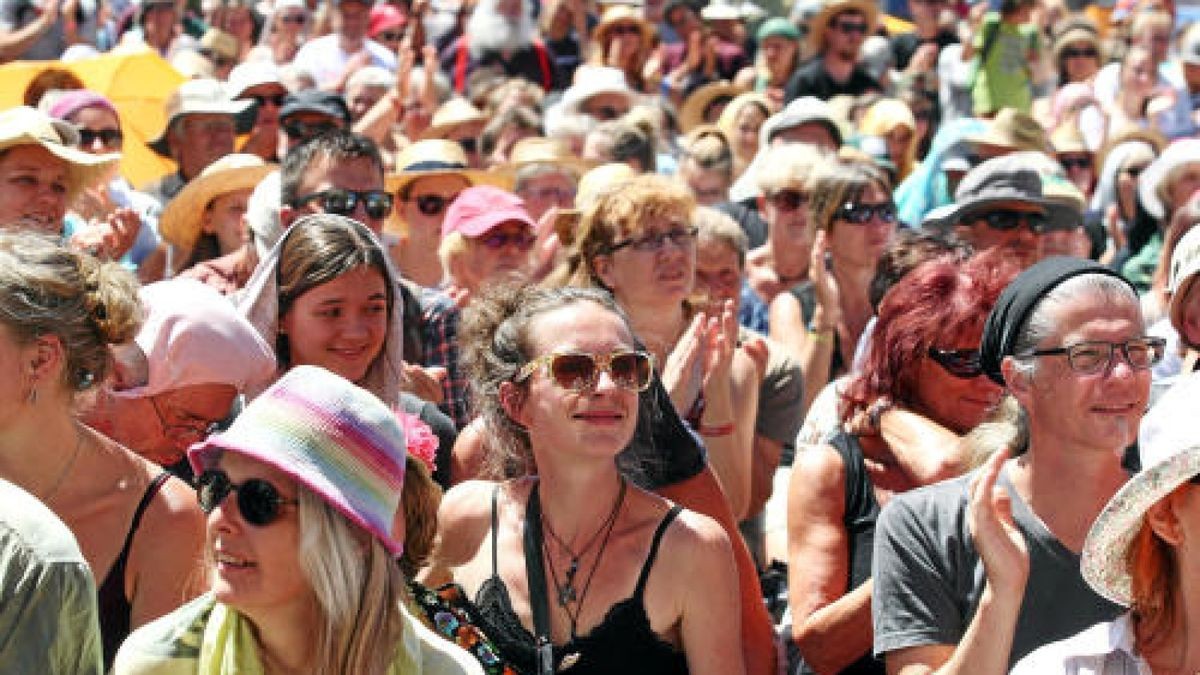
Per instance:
x=73, y=101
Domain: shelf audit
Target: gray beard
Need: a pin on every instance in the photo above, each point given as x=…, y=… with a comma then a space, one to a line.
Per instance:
x=488, y=31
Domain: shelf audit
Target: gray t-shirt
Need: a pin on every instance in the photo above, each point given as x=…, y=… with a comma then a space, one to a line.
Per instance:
x=16, y=14
x=928, y=577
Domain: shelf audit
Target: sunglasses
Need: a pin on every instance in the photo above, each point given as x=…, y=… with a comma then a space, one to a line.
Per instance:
x=788, y=200
x=1011, y=220
x=578, y=371
x=850, y=27
x=377, y=203
x=276, y=100
x=497, y=240
x=389, y=36
x=297, y=19
x=605, y=112
x=305, y=131
x=258, y=501
x=1069, y=163
x=961, y=363
x=110, y=138
x=625, y=29
x=861, y=214
x=1077, y=53
x=1133, y=171
x=468, y=145
x=432, y=205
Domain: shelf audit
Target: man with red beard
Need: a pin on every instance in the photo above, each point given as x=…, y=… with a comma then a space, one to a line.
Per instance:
x=501, y=36
x=839, y=31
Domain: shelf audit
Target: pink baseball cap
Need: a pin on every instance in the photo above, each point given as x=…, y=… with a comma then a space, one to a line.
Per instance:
x=479, y=209
x=383, y=17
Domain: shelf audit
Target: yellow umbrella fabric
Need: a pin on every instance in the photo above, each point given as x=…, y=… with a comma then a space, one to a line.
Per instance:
x=138, y=84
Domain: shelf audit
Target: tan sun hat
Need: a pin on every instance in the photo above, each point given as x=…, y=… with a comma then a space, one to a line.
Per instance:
x=619, y=14
x=1068, y=138
x=182, y=219
x=453, y=113
x=691, y=115
x=1013, y=130
x=23, y=125
x=430, y=157
x=202, y=96
x=539, y=150
x=831, y=8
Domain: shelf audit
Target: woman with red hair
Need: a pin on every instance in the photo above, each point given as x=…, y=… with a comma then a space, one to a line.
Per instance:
x=923, y=358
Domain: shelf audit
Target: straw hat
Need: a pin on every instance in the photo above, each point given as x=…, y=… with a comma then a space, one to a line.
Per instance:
x=539, y=150
x=453, y=113
x=831, y=8
x=691, y=115
x=23, y=125
x=1074, y=34
x=1185, y=265
x=1068, y=138
x=203, y=96
x=1129, y=134
x=434, y=157
x=1013, y=130
x=1176, y=155
x=592, y=81
x=181, y=220
x=622, y=14
x=1170, y=454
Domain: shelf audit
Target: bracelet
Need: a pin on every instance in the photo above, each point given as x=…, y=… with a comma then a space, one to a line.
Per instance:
x=716, y=430
x=822, y=336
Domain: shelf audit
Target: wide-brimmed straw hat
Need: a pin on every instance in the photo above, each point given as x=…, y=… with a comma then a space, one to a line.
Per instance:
x=592, y=81
x=181, y=220
x=831, y=8
x=1013, y=130
x=622, y=14
x=1074, y=34
x=453, y=113
x=540, y=150
x=1069, y=138
x=1177, y=154
x=435, y=156
x=1170, y=454
x=691, y=115
x=1185, y=267
x=202, y=96
x=23, y=125
x=334, y=438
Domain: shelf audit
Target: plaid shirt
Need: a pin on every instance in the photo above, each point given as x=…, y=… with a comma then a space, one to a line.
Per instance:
x=439, y=337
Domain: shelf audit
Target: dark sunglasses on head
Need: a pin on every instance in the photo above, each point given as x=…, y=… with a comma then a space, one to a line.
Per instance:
x=1070, y=53
x=432, y=205
x=962, y=363
x=304, y=130
x=276, y=100
x=1010, y=220
x=523, y=240
x=849, y=27
x=788, y=200
x=110, y=138
x=377, y=203
x=579, y=371
x=258, y=501
x=861, y=214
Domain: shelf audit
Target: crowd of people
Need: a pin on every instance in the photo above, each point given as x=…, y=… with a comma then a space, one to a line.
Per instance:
x=601, y=336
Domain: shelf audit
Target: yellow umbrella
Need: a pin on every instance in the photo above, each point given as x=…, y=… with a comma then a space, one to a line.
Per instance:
x=138, y=84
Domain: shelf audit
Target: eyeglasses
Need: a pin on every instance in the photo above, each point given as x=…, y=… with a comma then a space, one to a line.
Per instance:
x=655, y=241
x=579, y=371
x=376, y=203
x=297, y=19
x=625, y=29
x=1095, y=356
x=1087, y=52
x=788, y=200
x=109, y=138
x=861, y=214
x=187, y=429
x=1069, y=163
x=850, y=27
x=432, y=205
x=276, y=100
x=1010, y=220
x=961, y=363
x=258, y=501
x=305, y=131
x=523, y=240
x=555, y=194
x=389, y=36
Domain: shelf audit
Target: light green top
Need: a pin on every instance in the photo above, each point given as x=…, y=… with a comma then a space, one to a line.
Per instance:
x=1005, y=78
x=49, y=622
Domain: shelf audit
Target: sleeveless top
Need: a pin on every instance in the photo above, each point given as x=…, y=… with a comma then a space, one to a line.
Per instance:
x=861, y=512
x=806, y=295
x=115, y=610
x=622, y=643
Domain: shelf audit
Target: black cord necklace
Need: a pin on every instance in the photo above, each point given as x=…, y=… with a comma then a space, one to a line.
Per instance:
x=568, y=597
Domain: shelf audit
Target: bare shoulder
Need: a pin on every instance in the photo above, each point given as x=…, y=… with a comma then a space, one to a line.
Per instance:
x=693, y=537
x=465, y=518
x=817, y=469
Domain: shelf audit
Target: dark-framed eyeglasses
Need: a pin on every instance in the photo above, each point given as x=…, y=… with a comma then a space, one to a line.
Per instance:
x=961, y=363
x=579, y=371
x=186, y=428
x=788, y=200
x=376, y=203
x=276, y=100
x=851, y=27
x=624, y=29
x=258, y=500
x=1077, y=162
x=109, y=138
x=682, y=237
x=432, y=205
x=605, y=113
x=1006, y=220
x=494, y=240
x=390, y=36
x=306, y=130
x=1096, y=356
x=861, y=214
x=298, y=19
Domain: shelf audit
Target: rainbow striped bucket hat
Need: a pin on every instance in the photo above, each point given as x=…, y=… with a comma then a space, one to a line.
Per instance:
x=334, y=438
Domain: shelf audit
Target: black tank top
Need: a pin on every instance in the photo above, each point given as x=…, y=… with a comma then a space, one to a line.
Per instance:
x=622, y=643
x=115, y=610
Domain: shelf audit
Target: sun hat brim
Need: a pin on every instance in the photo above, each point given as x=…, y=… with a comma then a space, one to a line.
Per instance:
x=83, y=168
x=691, y=115
x=180, y=222
x=1174, y=156
x=243, y=112
x=831, y=9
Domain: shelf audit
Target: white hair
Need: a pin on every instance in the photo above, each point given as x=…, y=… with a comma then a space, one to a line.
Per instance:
x=491, y=31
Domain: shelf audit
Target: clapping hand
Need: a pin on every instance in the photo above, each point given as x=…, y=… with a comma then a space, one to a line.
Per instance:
x=1000, y=544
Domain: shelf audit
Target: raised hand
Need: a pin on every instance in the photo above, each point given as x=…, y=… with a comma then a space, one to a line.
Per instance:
x=683, y=369
x=1000, y=544
x=829, y=296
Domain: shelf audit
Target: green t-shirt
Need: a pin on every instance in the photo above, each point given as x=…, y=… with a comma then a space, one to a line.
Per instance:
x=1005, y=76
